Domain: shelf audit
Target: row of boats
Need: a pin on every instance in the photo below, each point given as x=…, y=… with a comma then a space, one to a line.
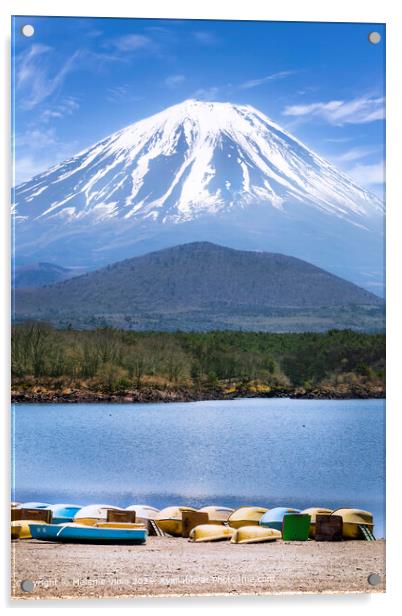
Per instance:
x=107, y=523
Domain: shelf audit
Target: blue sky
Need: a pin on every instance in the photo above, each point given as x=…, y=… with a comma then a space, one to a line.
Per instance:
x=77, y=80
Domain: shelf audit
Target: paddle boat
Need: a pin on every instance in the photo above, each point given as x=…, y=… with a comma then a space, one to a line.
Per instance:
x=217, y=514
x=143, y=513
x=33, y=505
x=274, y=517
x=63, y=513
x=210, y=532
x=313, y=513
x=170, y=520
x=255, y=534
x=22, y=529
x=91, y=514
x=82, y=533
x=246, y=516
x=355, y=523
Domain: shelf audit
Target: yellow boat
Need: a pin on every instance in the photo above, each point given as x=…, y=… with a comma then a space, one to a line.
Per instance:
x=211, y=532
x=352, y=520
x=246, y=516
x=20, y=528
x=170, y=520
x=217, y=514
x=255, y=534
x=313, y=512
x=91, y=514
x=126, y=525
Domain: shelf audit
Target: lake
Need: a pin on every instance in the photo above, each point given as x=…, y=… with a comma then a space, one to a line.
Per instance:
x=269, y=452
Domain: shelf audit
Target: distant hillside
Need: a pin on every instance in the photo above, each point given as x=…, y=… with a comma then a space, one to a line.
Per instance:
x=204, y=286
x=40, y=274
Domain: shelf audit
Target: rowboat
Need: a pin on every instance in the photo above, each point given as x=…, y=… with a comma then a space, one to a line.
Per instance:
x=314, y=512
x=22, y=529
x=274, y=517
x=255, y=534
x=217, y=514
x=143, y=513
x=82, y=533
x=91, y=514
x=353, y=521
x=210, y=532
x=63, y=513
x=33, y=505
x=170, y=520
x=246, y=516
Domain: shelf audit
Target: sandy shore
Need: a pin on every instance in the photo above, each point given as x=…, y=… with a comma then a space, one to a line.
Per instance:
x=167, y=566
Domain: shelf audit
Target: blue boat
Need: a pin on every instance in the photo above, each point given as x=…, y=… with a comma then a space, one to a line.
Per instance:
x=79, y=533
x=273, y=518
x=34, y=505
x=62, y=513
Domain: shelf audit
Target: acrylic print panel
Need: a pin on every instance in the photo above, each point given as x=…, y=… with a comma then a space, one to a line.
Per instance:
x=198, y=215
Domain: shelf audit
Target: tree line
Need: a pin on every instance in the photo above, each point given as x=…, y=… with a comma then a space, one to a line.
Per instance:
x=112, y=359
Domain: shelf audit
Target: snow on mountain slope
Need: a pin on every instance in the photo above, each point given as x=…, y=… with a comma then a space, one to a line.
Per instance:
x=193, y=163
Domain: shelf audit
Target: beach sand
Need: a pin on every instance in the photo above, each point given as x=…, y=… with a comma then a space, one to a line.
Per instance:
x=176, y=567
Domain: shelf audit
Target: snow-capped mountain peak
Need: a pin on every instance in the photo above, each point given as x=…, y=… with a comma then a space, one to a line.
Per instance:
x=200, y=170
x=189, y=160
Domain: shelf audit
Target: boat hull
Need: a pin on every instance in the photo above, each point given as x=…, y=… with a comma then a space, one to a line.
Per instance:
x=246, y=516
x=274, y=517
x=217, y=514
x=170, y=520
x=210, y=532
x=23, y=526
x=352, y=520
x=77, y=533
x=255, y=534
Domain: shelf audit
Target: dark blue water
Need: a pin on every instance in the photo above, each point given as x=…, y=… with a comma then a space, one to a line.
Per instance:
x=270, y=452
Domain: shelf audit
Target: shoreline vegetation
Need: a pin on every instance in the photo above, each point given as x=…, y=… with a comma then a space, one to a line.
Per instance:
x=111, y=365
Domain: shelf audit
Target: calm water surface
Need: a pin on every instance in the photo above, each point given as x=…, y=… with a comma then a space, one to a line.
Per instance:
x=271, y=452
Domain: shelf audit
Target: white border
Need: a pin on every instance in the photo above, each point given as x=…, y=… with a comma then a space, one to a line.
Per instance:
x=379, y=11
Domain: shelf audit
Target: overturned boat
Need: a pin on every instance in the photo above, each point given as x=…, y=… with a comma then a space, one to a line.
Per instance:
x=255, y=534
x=82, y=533
x=217, y=514
x=170, y=520
x=143, y=513
x=20, y=529
x=246, y=516
x=62, y=513
x=91, y=514
x=211, y=532
x=273, y=518
x=357, y=523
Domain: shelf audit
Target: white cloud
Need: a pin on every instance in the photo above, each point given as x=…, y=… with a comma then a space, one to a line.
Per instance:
x=174, y=80
x=132, y=42
x=355, y=154
x=338, y=112
x=368, y=175
x=65, y=108
x=38, y=76
x=253, y=83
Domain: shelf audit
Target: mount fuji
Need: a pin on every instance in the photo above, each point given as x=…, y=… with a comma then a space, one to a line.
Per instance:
x=200, y=171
